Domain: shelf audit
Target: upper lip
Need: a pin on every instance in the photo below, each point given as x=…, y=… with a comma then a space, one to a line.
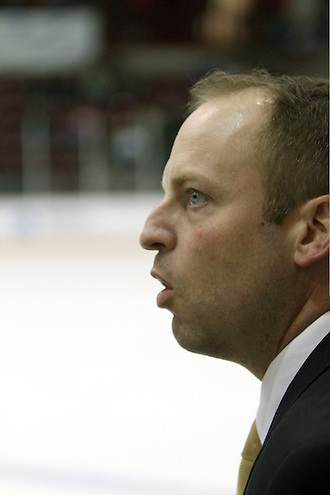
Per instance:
x=160, y=279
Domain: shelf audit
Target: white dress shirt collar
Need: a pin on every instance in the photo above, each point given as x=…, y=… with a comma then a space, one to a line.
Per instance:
x=283, y=369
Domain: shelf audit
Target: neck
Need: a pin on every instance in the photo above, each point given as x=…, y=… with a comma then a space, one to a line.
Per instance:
x=316, y=305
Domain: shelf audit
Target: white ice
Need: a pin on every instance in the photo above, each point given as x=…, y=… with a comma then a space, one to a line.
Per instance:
x=96, y=396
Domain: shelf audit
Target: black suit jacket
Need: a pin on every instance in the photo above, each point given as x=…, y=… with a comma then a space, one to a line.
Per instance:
x=295, y=458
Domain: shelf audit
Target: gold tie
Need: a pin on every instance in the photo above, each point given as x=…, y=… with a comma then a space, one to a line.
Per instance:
x=251, y=450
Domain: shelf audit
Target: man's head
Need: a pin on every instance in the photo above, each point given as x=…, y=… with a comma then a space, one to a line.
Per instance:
x=293, y=143
x=234, y=279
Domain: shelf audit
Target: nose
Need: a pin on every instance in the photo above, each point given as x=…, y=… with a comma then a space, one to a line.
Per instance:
x=158, y=232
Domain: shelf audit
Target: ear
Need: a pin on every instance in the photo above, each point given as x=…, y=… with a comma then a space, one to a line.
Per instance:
x=313, y=241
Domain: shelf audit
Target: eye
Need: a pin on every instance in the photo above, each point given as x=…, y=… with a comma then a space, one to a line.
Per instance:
x=196, y=198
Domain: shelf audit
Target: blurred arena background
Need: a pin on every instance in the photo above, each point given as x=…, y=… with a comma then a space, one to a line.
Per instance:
x=96, y=396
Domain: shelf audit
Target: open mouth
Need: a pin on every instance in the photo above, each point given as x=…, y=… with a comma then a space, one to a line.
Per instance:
x=160, y=279
x=165, y=293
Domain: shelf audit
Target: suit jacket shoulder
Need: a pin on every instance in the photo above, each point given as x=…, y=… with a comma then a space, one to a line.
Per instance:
x=295, y=458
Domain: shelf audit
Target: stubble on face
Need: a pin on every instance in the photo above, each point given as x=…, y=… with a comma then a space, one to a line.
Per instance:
x=235, y=313
x=231, y=272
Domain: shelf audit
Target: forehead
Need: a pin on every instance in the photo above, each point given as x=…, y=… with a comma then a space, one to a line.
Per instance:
x=220, y=136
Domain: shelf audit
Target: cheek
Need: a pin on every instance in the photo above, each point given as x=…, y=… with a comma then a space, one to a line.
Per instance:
x=214, y=250
x=216, y=238
x=205, y=246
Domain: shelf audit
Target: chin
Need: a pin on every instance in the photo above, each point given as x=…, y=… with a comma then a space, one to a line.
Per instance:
x=183, y=335
x=193, y=340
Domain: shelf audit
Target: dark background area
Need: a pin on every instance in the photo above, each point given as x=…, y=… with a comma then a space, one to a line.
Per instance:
x=107, y=123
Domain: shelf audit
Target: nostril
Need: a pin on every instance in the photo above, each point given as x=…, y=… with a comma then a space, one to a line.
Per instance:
x=147, y=239
x=156, y=240
x=158, y=233
x=157, y=246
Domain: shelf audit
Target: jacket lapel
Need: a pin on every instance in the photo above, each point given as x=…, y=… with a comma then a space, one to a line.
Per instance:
x=316, y=364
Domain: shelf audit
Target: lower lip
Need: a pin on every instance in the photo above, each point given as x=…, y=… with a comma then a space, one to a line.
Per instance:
x=163, y=297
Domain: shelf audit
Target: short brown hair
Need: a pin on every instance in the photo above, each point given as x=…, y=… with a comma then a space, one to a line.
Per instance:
x=294, y=142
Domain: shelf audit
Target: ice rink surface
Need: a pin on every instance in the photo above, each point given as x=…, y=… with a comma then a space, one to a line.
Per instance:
x=96, y=395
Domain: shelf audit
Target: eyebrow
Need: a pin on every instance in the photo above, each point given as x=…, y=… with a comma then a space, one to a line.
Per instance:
x=179, y=180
